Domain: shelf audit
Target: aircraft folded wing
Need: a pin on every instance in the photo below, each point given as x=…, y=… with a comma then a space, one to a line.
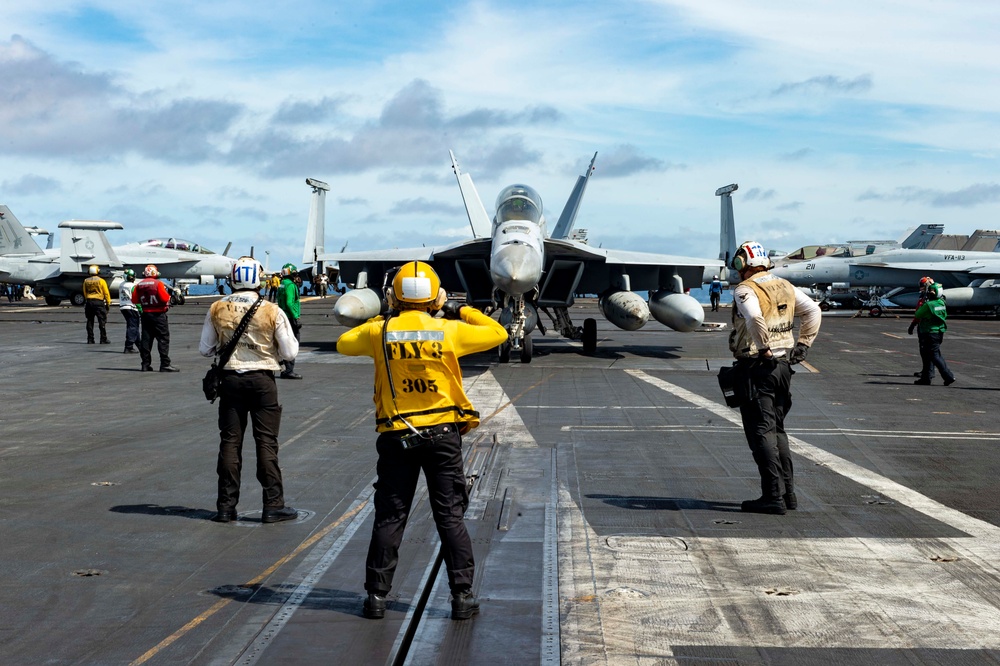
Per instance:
x=84, y=243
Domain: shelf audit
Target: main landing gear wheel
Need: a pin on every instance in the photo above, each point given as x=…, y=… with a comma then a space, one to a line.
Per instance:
x=504, y=349
x=875, y=311
x=824, y=306
x=589, y=336
x=77, y=298
x=526, y=350
x=52, y=300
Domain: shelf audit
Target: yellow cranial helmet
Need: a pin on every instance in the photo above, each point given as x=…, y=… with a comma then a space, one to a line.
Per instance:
x=416, y=286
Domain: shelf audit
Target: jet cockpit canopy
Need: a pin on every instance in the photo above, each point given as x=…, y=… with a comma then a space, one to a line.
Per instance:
x=808, y=252
x=176, y=244
x=519, y=202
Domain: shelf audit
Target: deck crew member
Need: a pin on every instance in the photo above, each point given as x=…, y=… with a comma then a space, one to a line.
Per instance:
x=924, y=283
x=248, y=388
x=715, y=292
x=98, y=301
x=421, y=413
x=154, y=299
x=930, y=318
x=765, y=347
x=288, y=301
x=129, y=311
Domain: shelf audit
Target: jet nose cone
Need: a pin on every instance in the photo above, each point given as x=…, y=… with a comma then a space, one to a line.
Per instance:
x=516, y=269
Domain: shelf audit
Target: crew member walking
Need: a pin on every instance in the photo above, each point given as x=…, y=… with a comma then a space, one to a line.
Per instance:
x=248, y=387
x=765, y=348
x=154, y=300
x=98, y=301
x=288, y=301
x=715, y=292
x=931, y=319
x=421, y=413
x=924, y=283
x=129, y=311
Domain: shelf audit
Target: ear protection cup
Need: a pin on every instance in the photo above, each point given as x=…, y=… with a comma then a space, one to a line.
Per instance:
x=442, y=296
x=738, y=263
x=390, y=298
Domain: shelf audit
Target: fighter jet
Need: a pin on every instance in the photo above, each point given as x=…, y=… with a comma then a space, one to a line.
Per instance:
x=513, y=266
x=58, y=274
x=967, y=276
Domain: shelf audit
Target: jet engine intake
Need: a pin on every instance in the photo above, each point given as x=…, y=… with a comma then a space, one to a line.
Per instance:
x=625, y=309
x=678, y=311
x=357, y=306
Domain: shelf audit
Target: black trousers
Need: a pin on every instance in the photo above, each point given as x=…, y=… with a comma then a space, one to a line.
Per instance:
x=154, y=326
x=131, y=327
x=289, y=366
x=930, y=354
x=398, y=472
x=763, y=413
x=96, y=309
x=252, y=394
x=715, y=298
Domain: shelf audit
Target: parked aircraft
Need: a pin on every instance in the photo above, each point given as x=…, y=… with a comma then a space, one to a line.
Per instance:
x=916, y=238
x=58, y=274
x=904, y=268
x=512, y=265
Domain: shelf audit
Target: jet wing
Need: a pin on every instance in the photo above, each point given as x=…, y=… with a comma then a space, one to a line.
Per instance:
x=574, y=267
x=461, y=266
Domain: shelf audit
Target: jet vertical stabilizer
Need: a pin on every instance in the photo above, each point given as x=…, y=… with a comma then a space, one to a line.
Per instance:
x=568, y=217
x=478, y=219
x=84, y=243
x=920, y=237
x=14, y=238
x=316, y=228
x=727, y=231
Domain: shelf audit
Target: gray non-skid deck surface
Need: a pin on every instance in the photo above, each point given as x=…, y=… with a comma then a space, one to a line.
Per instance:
x=109, y=481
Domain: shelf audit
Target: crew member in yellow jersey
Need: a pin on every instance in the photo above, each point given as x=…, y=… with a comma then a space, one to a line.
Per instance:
x=765, y=348
x=98, y=301
x=421, y=413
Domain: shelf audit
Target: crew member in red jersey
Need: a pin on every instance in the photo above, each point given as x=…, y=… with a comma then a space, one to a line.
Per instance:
x=154, y=299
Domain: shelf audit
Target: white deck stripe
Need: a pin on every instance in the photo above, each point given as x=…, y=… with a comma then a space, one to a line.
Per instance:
x=635, y=599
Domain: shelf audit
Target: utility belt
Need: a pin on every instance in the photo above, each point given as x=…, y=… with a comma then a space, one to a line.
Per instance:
x=743, y=356
x=269, y=373
x=411, y=439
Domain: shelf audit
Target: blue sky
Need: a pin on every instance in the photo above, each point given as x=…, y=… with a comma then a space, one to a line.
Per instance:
x=839, y=121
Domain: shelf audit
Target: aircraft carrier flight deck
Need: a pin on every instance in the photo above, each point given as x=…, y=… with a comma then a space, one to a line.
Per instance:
x=605, y=506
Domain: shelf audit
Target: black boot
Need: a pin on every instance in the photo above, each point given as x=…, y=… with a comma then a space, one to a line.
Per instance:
x=764, y=505
x=463, y=606
x=374, y=606
x=279, y=515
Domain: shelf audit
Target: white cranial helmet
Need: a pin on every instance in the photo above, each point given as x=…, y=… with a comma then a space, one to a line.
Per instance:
x=751, y=253
x=247, y=274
